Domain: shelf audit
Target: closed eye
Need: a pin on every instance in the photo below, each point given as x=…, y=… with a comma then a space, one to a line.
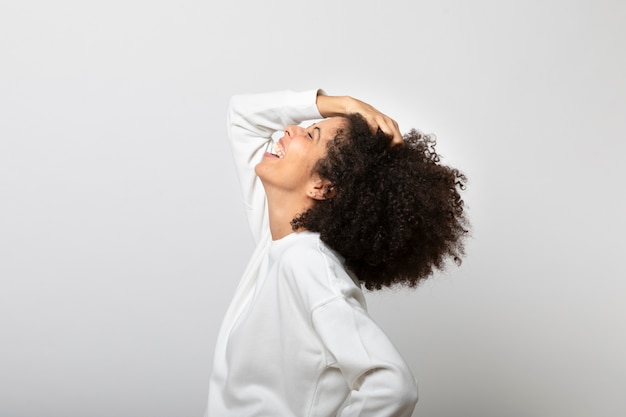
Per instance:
x=318, y=134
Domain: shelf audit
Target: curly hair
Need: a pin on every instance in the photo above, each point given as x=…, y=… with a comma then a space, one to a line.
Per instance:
x=395, y=213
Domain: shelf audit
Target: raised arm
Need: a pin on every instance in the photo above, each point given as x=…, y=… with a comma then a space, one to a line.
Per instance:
x=252, y=120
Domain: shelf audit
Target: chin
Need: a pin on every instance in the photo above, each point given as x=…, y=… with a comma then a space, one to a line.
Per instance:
x=261, y=171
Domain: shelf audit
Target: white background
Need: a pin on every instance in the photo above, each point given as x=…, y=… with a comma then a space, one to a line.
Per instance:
x=122, y=235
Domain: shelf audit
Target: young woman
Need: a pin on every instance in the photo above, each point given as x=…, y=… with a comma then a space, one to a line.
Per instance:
x=343, y=203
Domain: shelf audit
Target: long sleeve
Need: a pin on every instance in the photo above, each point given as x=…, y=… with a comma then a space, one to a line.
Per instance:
x=380, y=382
x=252, y=120
x=296, y=339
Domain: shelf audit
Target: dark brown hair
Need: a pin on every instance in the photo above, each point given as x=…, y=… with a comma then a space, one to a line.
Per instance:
x=396, y=213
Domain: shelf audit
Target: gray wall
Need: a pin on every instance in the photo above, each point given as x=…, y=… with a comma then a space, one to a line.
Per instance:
x=122, y=235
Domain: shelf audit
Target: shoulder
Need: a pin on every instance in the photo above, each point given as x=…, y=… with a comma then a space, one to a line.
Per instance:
x=307, y=253
x=316, y=272
x=305, y=256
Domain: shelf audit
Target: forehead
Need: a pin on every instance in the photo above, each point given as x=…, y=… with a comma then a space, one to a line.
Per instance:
x=328, y=127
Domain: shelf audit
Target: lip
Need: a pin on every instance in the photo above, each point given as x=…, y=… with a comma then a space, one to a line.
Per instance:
x=270, y=155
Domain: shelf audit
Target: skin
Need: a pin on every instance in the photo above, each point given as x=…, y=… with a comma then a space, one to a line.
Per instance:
x=330, y=106
x=290, y=184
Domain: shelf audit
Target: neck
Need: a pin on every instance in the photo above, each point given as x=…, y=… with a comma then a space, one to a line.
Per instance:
x=282, y=208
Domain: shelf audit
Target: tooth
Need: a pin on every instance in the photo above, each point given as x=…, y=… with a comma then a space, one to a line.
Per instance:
x=278, y=150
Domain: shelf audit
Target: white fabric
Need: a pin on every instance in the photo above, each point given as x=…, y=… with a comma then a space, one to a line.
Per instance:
x=296, y=339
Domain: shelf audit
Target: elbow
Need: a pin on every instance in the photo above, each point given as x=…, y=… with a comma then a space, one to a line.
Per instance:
x=407, y=392
x=399, y=389
x=404, y=390
x=411, y=398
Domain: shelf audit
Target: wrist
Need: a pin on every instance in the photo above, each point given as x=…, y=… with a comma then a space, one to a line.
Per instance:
x=331, y=106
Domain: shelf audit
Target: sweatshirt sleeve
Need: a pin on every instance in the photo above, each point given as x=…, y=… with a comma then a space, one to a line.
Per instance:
x=380, y=382
x=252, y=120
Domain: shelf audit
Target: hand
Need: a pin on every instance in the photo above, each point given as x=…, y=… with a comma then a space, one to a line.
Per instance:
x=376, y=119
x=330, y=106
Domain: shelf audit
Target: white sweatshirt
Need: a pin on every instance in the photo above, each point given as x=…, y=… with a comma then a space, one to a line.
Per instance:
x=296, y=339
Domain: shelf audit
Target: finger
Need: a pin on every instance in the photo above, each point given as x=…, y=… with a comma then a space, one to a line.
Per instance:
x=397, y=135
x=394, y=134
x=379, y=121
x=392, y=130
x=385, y=124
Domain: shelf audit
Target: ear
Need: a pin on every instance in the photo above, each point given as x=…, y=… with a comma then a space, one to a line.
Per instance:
x=320, y=188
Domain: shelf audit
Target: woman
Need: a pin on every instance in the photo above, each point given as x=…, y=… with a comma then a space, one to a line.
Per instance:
x=343, y=203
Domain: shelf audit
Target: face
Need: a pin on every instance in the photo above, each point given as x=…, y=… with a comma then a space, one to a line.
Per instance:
x=296, y=153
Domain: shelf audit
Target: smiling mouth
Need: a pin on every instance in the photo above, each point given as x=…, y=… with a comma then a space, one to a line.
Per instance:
x=278, y=150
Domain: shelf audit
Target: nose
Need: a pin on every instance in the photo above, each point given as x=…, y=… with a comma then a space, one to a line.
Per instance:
x=291, y=130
